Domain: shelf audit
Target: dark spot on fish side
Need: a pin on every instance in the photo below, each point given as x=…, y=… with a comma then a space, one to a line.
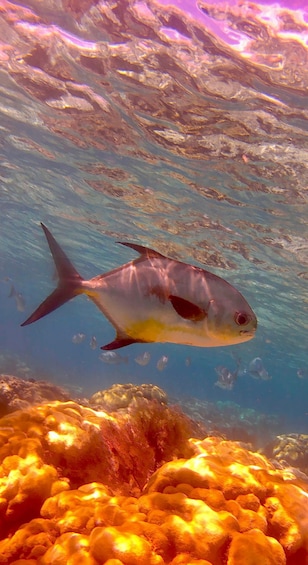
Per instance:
x=186, y=309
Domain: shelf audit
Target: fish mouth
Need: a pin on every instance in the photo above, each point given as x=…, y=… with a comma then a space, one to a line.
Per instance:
x=248, y=333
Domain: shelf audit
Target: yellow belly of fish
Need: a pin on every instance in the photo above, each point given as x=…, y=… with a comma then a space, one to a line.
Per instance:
x=153, y=330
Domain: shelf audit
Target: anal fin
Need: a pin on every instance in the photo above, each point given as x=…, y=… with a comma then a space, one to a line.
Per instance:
x=120, y=341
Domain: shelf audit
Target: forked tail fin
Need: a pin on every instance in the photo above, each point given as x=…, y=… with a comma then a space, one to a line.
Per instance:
x=70, y=282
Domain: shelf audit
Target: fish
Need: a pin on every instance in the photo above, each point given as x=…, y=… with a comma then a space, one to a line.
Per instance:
x=78, y=338
x=162, y=362
x=93, y=342
x=226, y=378
x=188, y=361
x=302, y=373
x=112, y=358
x=257, y=371
x=155, y=299
x=143, y=359
x=19, y=299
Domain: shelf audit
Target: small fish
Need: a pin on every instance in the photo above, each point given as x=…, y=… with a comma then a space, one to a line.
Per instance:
x=243, y=372
x=188, y=361
x=19, y=299
x=78, y=338
x=162, y=362
x=226, y=378
x=112, y=358
x=93, y=342
x=156, y=299
x=143, y=359
x=302, y=373
x=257, y=371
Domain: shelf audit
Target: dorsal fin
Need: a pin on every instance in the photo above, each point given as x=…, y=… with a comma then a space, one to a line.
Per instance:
x=141, y=249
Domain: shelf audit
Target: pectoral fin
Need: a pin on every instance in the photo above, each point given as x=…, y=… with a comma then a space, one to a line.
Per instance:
x=186, y=309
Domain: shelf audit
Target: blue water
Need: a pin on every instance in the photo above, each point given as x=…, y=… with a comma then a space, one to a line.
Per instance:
x=182, y=131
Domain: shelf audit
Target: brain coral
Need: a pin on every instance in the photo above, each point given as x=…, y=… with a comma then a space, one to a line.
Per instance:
x=290, y=449
x=69, y=493
x=123, y=395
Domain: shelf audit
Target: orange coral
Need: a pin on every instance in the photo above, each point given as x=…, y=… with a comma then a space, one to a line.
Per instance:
x=288, y=517
x=186, y=559
x=123, y=395
x=219, y=504
x=31, y=541
x=50, y=448
x=254, y=547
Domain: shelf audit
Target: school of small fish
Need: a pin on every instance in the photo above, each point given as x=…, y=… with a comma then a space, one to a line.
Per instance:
x=227, y=378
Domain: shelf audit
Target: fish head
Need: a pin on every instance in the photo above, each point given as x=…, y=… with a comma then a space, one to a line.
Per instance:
x=230, y=319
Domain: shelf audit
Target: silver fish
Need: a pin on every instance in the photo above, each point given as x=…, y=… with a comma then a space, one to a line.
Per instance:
x=188, y=361
x=257, y=371
x=78, y=338
x=156, y=299
x=226, y=378
x=93, y=342
x=162, y=362
x=143, y=359
x=19, y=299
x=112, y=358
x=302, y=373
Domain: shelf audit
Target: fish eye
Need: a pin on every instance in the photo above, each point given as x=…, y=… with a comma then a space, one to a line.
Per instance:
x=241, y=318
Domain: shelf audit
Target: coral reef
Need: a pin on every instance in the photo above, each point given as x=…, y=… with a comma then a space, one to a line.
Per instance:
x=290, y=450
x=83, y=487
x=14, y=365
x=41, y=445
x=226, y=419
x=17, y=393
x=232, y=421
x=123, y=395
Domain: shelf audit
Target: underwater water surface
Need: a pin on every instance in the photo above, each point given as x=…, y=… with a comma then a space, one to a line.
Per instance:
x=180, y=126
